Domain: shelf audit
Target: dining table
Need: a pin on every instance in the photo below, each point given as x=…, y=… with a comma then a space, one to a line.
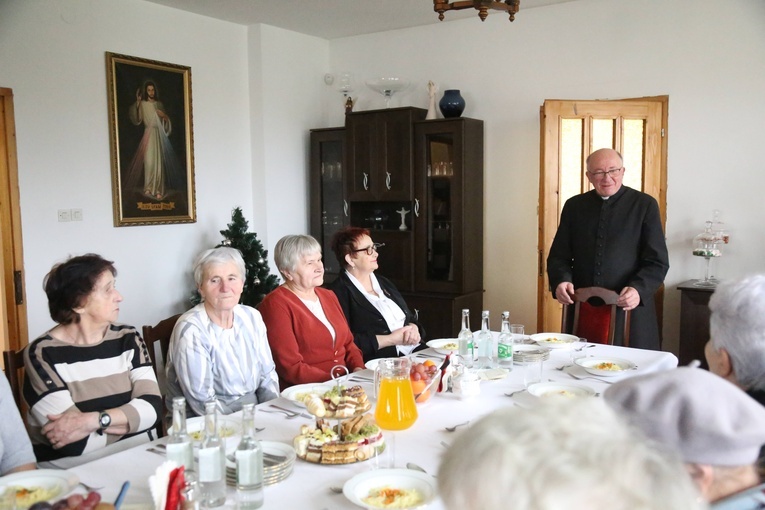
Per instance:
x=423, y=444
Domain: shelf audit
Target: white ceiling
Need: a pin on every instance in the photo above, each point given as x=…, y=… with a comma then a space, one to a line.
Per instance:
x=331, y=19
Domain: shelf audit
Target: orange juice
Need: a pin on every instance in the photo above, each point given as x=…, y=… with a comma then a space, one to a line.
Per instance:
x=396, y=409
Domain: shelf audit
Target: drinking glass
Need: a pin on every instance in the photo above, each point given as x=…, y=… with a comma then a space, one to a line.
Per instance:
x=532, y=372
x=517, y=331
x=580, y=351
x=396, y=409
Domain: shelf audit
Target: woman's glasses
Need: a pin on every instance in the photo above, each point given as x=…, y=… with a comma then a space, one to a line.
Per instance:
x=369, y=249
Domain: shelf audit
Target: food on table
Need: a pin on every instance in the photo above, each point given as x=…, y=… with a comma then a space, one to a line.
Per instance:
x=553, y=340
x=91, y=501
x=390, y=497
x=224, y=431
x=27, y=496
x=607, y=365
x=353, y=440
x=338, y=402
x=559, y=393
x=421, y=374
x=452, y=346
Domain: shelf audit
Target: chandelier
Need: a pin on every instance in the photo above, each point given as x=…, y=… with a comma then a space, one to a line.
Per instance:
x=483, y=6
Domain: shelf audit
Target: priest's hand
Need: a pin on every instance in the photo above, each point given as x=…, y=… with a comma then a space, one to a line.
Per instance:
x=564, y=292
x=628, y=299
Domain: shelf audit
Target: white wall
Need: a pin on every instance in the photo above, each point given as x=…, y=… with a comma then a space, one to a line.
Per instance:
x=52, y=56
x=257, y=91
x=709, y=59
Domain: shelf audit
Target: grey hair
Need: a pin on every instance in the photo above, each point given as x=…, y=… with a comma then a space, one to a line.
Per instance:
x=289, y=250
x=587, y=161
x=221, y=255
x=563, y=453
x=737, y=324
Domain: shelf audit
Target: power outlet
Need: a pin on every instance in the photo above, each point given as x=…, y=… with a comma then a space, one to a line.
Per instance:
x=64, y=215
x=76, y=214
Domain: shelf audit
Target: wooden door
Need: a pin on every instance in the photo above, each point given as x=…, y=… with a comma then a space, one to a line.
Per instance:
x=13, y=328
x=570, y=131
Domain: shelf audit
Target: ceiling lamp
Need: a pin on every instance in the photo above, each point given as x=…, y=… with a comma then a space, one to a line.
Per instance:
x=483, y=6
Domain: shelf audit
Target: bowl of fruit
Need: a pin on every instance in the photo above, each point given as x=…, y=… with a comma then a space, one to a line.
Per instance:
x=425, y=377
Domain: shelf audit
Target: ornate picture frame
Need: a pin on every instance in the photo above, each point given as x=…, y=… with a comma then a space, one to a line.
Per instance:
x=151, y=139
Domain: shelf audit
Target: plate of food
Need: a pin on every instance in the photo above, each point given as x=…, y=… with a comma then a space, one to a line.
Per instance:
x=39, y=485
x=391, y=488
x=299, y=393
x=554, y=340
x=560, y=390
x=227, y=427
x=605, y=367
x=444, y=345
x=335, y=401
x=352, y=440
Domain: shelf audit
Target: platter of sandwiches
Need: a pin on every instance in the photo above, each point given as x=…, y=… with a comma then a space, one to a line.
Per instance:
x=337, y=402
x=352, y=440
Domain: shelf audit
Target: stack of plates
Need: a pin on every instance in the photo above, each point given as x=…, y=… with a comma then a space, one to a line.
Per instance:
x=278, y=461
x=524, y=353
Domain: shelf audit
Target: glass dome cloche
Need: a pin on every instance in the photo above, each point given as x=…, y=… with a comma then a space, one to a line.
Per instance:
x=707, y=244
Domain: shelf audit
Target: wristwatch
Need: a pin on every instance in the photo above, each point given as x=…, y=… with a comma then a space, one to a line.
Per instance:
x=104, y=420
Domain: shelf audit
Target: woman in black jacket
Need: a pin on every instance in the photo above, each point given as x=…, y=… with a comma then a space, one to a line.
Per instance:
x=381, y=323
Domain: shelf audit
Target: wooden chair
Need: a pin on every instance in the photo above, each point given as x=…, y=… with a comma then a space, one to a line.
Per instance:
x=595, y=316
x=14, y=371
x=161, y=334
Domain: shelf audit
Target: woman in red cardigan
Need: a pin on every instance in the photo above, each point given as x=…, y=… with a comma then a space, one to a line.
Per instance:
x=307, y=330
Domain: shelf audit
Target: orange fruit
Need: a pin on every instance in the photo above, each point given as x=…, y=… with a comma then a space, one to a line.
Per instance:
x=429, y=363
x=422, y=398
x=418, y=386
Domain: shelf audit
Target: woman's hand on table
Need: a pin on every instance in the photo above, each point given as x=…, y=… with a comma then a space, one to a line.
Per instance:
x=407, y=335
x=69, y=426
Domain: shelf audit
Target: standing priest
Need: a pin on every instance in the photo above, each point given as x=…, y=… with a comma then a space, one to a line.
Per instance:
x=612, y=237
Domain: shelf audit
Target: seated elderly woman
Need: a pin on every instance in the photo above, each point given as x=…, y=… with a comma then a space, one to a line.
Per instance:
x=716, y=428
x=382, y=325
x=575, y=454
x=88, y=381
x=736, y=348
x=219, y=348
x=15, y=449
x=307, y=330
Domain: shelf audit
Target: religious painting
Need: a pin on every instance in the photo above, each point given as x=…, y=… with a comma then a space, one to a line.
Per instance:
x=152, y=147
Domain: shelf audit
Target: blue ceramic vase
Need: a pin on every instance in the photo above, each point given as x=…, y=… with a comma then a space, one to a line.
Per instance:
x=452, y=104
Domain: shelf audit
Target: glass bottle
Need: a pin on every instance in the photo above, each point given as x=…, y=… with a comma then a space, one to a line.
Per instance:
x=465, y=339
x=179, y=448
x=484, y=340
x=505, y=344
x=249, y=464
x=212, y=460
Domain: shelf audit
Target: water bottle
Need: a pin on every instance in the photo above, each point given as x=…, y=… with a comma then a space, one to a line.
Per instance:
x=465, y=339
x=212, y=460
x=505, y=344
x=179, y=448
x=487, y=350
x=249, y=464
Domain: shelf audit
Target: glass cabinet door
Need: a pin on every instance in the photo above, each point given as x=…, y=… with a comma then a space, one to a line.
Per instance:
x=329, y=209
x=438, y=207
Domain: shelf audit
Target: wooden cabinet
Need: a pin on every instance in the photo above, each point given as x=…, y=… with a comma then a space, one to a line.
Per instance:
x=694, y=322
x=379, y=154
x=329, y=209
x=433, y=171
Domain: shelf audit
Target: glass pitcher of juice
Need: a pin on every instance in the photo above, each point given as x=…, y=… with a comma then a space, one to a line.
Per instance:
x=395, y=409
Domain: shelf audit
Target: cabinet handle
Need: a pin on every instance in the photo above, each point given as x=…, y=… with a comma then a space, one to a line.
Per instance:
x=387, y=180
x=416, y=207
x=366, y=181
x=345, y=208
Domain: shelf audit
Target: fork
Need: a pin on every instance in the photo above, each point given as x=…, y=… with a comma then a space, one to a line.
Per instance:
x=289, y=414
x=454, y=427
x=296, y=413
x=585, y=377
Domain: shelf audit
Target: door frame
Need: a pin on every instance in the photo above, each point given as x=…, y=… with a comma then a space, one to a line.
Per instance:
x=13, y=308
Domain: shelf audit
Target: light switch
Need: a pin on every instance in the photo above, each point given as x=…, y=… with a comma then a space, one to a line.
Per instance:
x=76, y=214
x=64, y=215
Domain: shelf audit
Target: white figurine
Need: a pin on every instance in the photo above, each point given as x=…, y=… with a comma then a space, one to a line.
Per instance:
x=403, y=212
x=432, y=91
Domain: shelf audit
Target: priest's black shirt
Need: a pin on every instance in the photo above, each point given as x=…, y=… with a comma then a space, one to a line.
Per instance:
x=613, y=243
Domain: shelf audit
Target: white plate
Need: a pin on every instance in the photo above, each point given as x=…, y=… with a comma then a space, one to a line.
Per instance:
x=227, y=427
x=274, y=448
x=372, y=363
x=554, y=389
x=440, y=345
x=554, y=340
x=591, y=364
x=58, y=481
x=293, y=392
x=359, y=486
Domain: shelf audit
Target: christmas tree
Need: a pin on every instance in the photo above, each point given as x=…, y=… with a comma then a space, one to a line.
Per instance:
x=259, y=281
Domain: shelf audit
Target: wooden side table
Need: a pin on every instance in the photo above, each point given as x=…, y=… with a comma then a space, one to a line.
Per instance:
x=694, y=322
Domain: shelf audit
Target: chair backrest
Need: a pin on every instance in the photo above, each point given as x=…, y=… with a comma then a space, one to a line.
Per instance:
x=14, y=371
x=160, y=333
x=595, y=316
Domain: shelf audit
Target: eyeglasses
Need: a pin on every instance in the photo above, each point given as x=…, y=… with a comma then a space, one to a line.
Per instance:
x=370, y=249
x=611, y=173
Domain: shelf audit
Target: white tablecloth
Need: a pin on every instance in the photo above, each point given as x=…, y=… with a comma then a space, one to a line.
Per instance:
x=307, y=487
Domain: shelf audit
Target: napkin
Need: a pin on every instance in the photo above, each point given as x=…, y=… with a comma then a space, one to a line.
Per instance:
x=166, y=484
